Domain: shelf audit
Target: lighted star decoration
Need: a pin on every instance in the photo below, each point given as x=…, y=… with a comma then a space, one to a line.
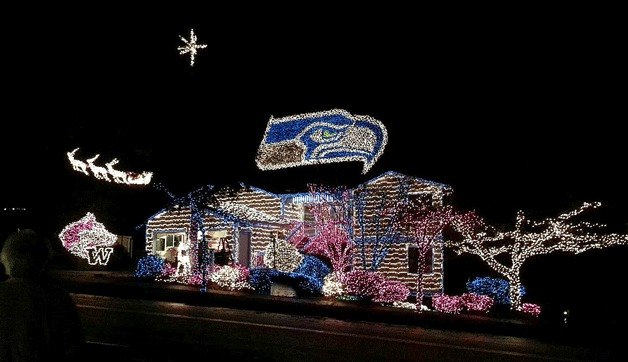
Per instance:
x=190, y=47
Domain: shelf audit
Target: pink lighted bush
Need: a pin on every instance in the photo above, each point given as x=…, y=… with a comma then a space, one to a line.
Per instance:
x=363, y=283
x=447, y=304
x=531, y=308
x=477, y=302
x=374, y=286
x=390, y=292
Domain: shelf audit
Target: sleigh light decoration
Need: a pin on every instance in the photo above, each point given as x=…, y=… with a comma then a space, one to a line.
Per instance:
x=108, y=173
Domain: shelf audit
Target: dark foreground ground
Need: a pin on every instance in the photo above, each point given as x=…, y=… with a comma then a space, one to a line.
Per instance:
x=132, y=321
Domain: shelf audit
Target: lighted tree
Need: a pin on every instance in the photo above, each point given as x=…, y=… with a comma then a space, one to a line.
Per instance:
x=329, y=228
x=379, y=218
x=332, y=242
x=507, y=251
x=425, y=225
x=282, y=255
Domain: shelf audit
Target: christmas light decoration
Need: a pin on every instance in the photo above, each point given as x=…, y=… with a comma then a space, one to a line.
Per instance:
x=108, y=173
x=232, y=277
x=77, y=165
x=88, y=239
x=313, y=267
x=448, y=304
x=530, y=238
x=390, y=291
x=362, y=283
x=331, y=241
x=149, y=267
x=332, y=287
x=495, y=288
x=190, y=47
x=477, y=302
x=532, y=309
x=378, y=217
x=282, y=256
x=168, y=273
x=260, y=279
x=408, y=305
x=98, y=256
x=321, y=137
x=425, y=224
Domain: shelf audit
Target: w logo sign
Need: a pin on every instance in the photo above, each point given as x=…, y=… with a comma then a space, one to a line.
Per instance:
x=98, y=255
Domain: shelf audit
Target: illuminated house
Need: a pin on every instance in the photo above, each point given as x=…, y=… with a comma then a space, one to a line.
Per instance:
x=245, y=224
x=400, y=262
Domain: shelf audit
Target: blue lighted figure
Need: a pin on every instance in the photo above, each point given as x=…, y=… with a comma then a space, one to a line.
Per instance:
x=321, y=137
x=38, y=321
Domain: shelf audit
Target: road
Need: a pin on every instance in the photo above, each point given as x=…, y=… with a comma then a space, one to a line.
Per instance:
x=139, y=330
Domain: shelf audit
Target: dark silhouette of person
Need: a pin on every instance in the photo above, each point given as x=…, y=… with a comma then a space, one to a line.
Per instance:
x=38, y=321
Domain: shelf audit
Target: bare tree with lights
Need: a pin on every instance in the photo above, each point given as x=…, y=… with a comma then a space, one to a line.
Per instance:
x=507, y=251
x=378, y=222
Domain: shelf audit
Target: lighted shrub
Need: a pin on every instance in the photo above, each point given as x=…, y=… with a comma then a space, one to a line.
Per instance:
x=477, y=302
x=332, y=286
x=391, y=291
x=495, y=288
x=260, y=279
x=168, y=273
x=149, y=267
x=313, y=267
x=282, y=256
x=447, y=304
x=363, y=283
x=532, y=309
x=232, y=277
x=374, y=286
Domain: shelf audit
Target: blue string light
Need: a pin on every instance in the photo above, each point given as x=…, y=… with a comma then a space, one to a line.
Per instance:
x=493, y=287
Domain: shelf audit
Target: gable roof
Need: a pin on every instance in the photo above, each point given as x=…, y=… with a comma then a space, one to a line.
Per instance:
x=235, y=211
x=399, y=175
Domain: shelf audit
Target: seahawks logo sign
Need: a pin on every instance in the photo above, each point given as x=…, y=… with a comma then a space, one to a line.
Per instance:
x=321, y=137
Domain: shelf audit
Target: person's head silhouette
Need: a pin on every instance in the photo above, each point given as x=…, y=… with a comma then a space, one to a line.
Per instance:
x=25, y=254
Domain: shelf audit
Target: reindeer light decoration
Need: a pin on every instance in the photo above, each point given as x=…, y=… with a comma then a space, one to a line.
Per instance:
x=108, y=173
x=77, y=165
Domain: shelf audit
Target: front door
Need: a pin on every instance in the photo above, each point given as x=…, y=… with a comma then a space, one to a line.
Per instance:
x=244, y=248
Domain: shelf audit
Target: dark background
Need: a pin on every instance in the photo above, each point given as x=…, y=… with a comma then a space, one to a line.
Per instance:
x=514, y=108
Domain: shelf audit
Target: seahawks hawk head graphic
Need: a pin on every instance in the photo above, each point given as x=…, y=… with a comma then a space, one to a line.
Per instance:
x=321, y=137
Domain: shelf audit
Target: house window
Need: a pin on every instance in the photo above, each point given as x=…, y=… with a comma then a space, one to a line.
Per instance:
x=413, y=260
x=308, y=220
x=167, y=241
x=426, y=199
x=217, y=240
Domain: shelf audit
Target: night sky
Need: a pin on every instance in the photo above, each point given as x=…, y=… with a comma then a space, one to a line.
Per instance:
x=514, y=112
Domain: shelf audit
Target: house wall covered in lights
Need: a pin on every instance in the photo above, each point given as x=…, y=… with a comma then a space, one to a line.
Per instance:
x=400, y=263
x=248, y=221
x=243, y=227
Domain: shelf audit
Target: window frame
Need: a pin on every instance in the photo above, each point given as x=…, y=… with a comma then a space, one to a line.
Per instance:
x=429, y=265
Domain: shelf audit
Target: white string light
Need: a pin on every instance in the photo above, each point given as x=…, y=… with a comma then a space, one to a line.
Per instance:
x=190, y=47
x=530, y=238
x=104, y=173
x=88, y=239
